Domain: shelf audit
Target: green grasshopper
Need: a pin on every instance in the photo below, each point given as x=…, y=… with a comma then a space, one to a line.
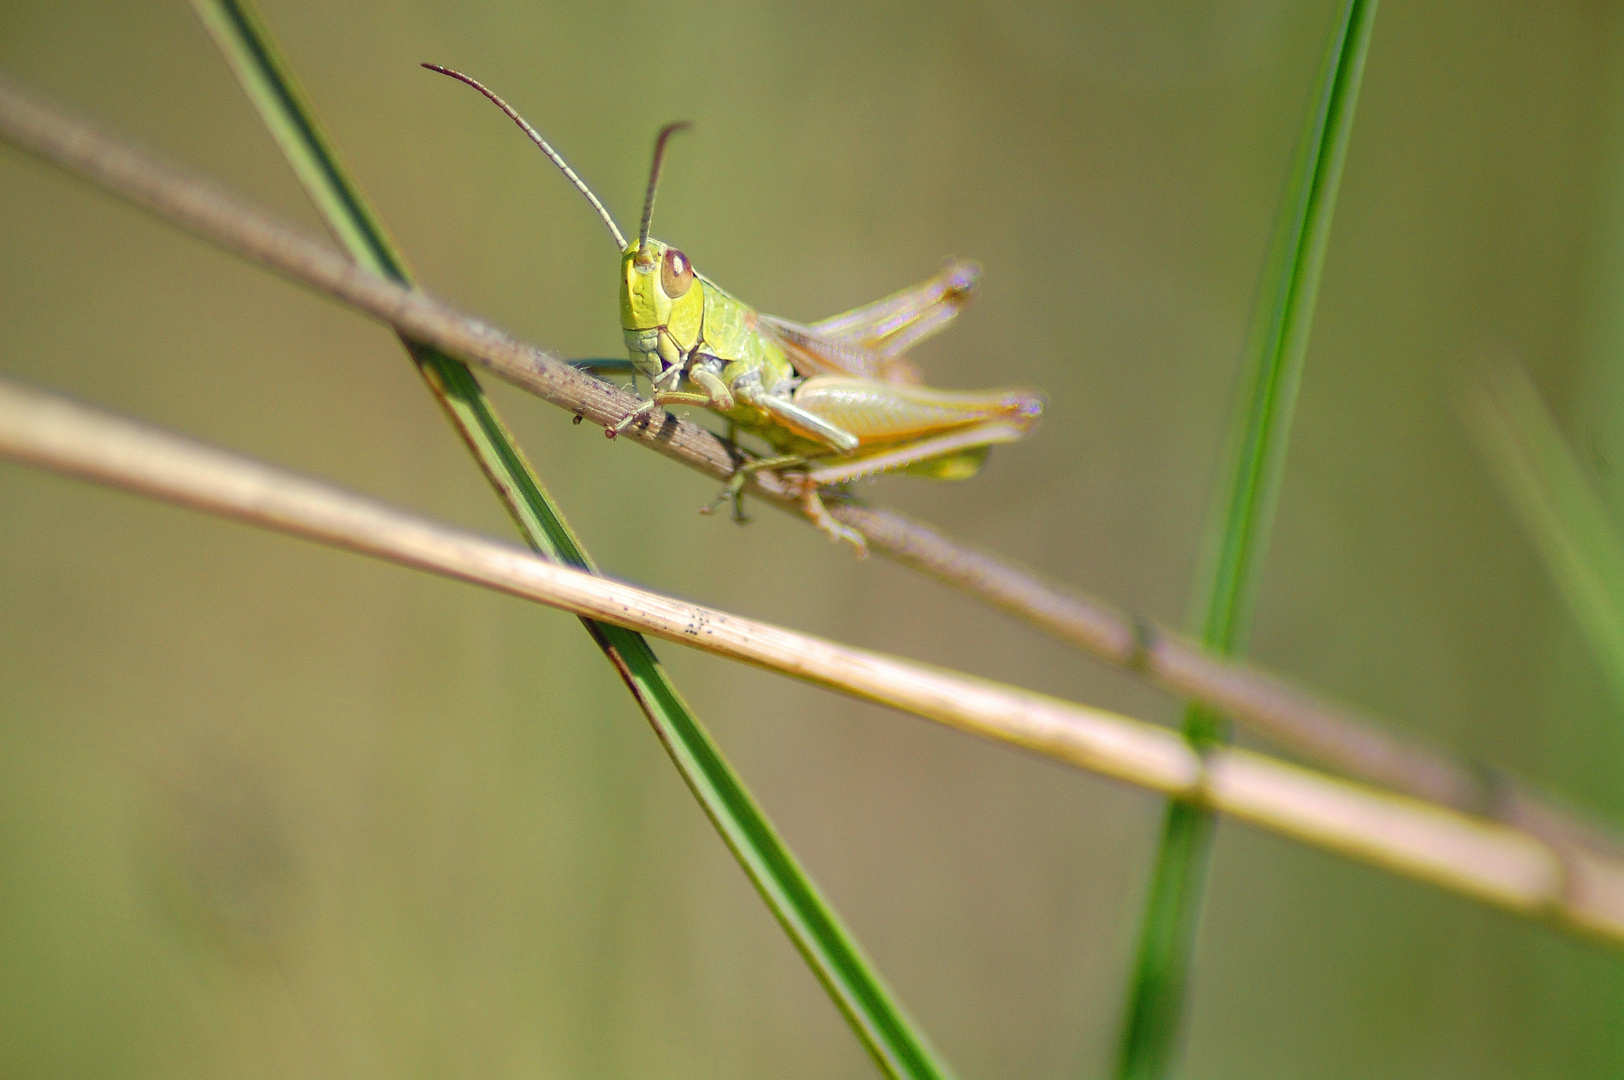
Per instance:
x=836, y=400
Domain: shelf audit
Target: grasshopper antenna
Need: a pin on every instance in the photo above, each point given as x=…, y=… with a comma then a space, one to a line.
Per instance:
x=654, y=178
x=554, y=155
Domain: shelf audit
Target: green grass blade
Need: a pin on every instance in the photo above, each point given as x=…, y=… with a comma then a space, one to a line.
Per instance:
x=1566, y=518
x=1237, y=535
x=275, y=95
x=897, y=1046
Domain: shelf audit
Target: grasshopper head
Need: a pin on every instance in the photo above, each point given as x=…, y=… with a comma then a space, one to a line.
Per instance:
x=661, y=312
x=662, y=305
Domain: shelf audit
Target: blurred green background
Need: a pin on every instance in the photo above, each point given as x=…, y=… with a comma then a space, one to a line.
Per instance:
x=269, y=810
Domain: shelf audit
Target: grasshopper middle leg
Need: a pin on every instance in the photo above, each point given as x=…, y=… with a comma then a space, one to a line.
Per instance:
x=811, y=501
x=734, y=488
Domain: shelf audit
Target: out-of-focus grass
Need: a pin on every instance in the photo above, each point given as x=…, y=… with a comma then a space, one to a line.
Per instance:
x=1238, y=534
x=1558, y=505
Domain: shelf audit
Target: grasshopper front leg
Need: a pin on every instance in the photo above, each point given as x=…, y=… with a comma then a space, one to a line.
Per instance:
x=713, y=394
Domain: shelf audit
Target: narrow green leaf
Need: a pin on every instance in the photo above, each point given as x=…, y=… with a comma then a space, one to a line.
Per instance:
x=897, y=1046
x=1237, y=532
x=1566, y=518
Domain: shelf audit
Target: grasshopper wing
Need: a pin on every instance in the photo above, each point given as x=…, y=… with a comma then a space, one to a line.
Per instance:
x=869, y=342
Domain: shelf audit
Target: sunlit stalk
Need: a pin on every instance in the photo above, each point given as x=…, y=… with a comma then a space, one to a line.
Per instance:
x=1506, y=867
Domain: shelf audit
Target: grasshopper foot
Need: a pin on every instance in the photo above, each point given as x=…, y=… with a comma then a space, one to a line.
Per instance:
x=632, y=417
x=733, y=491
x=812, y=503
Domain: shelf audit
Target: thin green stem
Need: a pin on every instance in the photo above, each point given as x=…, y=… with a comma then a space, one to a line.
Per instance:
x=897, y=1046
x=1238, y=529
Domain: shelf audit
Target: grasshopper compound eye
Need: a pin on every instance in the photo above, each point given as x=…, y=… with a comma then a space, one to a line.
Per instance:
x=676, y=273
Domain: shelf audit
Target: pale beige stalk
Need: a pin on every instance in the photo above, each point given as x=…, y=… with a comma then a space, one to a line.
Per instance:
x=1492, y=862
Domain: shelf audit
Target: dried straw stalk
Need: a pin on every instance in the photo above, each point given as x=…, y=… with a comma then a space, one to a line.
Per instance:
x=1492, y=862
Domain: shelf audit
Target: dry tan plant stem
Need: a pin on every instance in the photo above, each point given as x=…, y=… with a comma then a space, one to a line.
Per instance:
x=1491, y=862
x=1333, y=735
